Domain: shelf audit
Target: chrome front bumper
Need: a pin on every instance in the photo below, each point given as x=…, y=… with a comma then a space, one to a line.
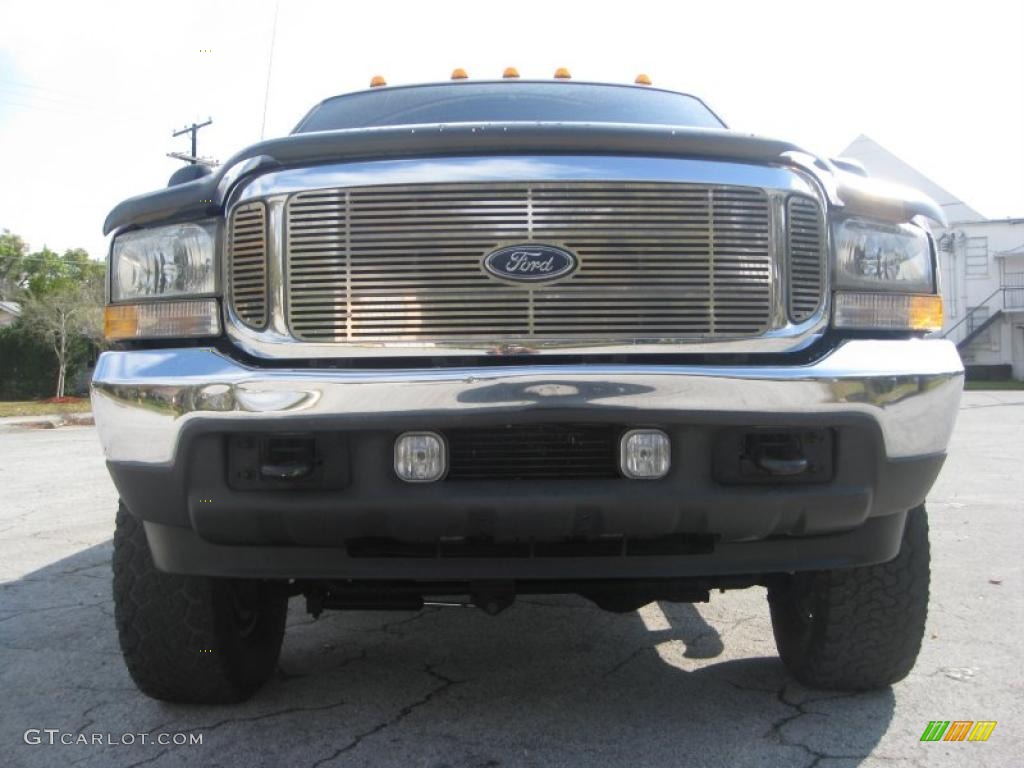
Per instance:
x=144, y=400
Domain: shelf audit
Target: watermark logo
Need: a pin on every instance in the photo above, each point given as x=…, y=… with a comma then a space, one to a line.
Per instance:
x=958, y=730
x=52, y=736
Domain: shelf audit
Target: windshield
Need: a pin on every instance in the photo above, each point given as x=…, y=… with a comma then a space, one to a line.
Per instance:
x=508, y=102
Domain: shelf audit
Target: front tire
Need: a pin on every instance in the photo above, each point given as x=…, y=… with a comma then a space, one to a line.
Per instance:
x=860, y=628
x=192, y=639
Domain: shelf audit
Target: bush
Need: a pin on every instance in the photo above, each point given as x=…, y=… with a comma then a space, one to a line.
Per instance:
x=28, y=366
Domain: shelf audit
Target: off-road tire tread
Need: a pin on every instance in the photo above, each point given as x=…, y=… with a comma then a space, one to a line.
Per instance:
x=173, y=641
x=869, y=621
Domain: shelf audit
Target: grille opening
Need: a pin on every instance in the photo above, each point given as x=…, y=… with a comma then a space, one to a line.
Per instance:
x=532, y=452
x=657, y=261
x=249, y=264
x=805, y=241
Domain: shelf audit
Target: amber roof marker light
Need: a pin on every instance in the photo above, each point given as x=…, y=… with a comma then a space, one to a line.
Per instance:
x=562, y=74
x=459, y=74
x=377, y=81
x=642, y=79
x=510, y=72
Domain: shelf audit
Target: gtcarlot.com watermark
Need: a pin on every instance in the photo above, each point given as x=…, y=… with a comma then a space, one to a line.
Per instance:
x=57, y=736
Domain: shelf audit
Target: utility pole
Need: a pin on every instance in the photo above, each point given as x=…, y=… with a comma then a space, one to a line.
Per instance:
x=193, y=129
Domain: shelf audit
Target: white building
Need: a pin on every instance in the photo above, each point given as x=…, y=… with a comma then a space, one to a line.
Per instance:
x=982, y=263
x=9, y=312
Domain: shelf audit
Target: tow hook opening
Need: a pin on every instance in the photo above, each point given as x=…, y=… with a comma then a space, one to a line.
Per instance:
x=773, y=456
x=287, y=458
x=288, y=461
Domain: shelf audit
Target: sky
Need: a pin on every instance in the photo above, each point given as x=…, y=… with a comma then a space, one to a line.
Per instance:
x=90, y=92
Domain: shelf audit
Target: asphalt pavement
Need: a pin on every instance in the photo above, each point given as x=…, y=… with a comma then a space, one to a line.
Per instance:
x=553, y=681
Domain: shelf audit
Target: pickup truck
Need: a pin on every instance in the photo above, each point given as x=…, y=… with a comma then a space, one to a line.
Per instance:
x=476, y=339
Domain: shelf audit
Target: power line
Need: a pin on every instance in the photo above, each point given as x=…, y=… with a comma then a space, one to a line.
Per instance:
x=63, y=100
x=110, y=115
x=23, y=84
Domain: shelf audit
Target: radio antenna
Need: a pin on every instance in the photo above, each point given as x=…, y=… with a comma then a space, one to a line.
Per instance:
x=270, y=64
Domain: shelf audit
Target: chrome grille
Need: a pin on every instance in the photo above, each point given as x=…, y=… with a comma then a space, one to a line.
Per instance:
x=805, y=241
x=403, y=263
x=249, y=264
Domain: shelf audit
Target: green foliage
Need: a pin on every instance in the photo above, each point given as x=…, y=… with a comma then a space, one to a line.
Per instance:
x=50, y=273
x=28, y=366
x=59, y=330
x=43, y=272
x=13, y=264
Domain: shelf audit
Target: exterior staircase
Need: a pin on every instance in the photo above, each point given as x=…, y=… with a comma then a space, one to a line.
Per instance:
x=978, y=330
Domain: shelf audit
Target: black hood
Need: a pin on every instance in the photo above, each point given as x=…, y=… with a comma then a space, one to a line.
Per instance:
x=205, y=197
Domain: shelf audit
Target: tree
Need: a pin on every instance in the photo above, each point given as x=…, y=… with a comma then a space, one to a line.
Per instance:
x=49, y=272
x=62, y=298
x=65, y=314
x=13, y=265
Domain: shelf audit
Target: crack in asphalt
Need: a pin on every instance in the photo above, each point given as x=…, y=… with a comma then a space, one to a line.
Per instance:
x=85, y=714
x=267, y=715
x=630, y=657
x=152, y=759
x=29, y=611
x=799, y=710
x=388, y=627
x=102, y=564
x=404, y=712
x=287, y=677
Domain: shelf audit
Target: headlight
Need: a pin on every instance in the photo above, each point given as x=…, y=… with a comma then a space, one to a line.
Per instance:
x=177, y=260
x=878, y=256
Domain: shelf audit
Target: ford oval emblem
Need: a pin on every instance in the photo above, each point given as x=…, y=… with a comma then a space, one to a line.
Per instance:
x=530, y=263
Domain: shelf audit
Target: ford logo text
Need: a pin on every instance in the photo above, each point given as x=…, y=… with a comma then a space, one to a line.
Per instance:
x=530, y=263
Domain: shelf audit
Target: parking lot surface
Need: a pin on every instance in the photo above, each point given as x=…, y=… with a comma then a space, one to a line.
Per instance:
x=553, y=681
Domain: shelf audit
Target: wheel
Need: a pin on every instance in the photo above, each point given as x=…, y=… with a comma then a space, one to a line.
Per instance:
x=859, y=628
x=192, y=639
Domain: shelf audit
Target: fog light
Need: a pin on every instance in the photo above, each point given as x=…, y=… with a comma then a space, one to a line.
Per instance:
x=420, y=457
x=645, y=454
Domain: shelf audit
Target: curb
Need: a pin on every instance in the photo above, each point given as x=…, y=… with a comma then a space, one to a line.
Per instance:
x=53, y=421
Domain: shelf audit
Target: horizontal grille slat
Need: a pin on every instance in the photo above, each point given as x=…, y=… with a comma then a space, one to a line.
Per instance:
x=524, y=452
x=248, y=248
x=805, y=246
x=403, y=263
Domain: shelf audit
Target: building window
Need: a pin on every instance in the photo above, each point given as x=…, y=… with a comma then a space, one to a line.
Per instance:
x=1013, y=293
x=976, y=257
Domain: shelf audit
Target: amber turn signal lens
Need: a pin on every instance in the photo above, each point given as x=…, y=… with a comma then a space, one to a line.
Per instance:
x=887, y=311
x=459, y=74
x=562, y=74
x=162, y=319
x=642, y=79
x=510, y=72
x=926, y=313
x=377, y=81
x=120, y=322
